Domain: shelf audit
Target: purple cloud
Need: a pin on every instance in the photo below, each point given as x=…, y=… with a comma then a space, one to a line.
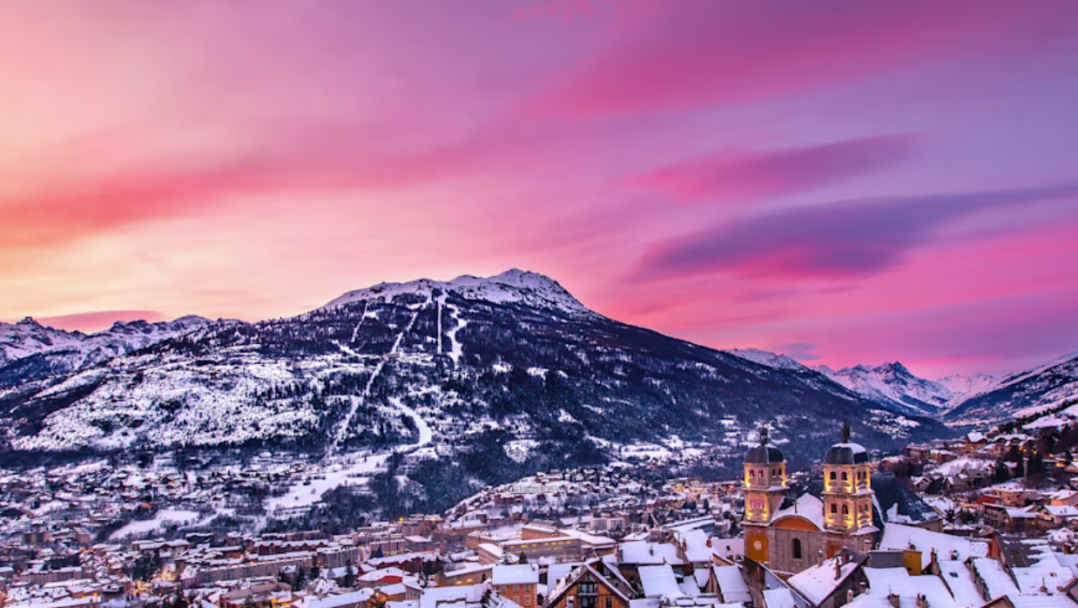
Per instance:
x=847, y=239
x=726, y=175
x=798, y=351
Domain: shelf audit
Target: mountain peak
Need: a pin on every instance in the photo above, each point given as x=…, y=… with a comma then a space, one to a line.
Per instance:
x=767, y=358
x=511, y=286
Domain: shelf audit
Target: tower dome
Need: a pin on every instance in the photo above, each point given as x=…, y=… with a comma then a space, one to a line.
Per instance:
x=764, y=453
x=846, y=452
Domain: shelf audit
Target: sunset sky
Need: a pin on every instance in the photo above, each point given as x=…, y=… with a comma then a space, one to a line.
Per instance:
x=839, y=180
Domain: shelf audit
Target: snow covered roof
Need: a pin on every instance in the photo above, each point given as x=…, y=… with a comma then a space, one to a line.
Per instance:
x=996, y=580
x=1062, y=510
x=440, y=597
x=696, y=547
x=779, y=598
x=659, y=581
x=806, y=506
x=643, y=552
x=731, y=584
x=960, y=581
x=1034, y=566
x=883, y=582
x=897, y=537
x=556, y=572
x=343, y=599
x=521, y=574
x=817, y=583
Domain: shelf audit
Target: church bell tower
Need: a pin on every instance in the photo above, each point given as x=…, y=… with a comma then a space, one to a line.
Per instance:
x=765, y=489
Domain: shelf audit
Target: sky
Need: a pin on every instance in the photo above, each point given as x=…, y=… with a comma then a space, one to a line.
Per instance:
x=846, y=182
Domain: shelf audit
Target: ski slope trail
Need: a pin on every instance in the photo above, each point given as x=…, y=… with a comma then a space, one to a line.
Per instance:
x=342, y=430
x=455, y=348
x=363, y=317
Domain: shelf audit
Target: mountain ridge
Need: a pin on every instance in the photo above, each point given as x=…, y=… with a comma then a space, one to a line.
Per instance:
x=514, y=356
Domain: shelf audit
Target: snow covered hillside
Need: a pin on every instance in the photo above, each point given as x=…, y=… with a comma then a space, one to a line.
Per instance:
x=513, y=286
x=29, y=351
x=1044, y=387
x=488, y=364
x=894, y=385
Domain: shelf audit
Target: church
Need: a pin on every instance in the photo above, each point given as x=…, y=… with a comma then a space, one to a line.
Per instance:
x=790, y=534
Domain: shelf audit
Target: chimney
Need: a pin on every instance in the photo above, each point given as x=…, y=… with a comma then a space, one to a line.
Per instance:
x=849, y=596
x=838, y=568
x=819, y=557
x=896, y=602
x=862, y=587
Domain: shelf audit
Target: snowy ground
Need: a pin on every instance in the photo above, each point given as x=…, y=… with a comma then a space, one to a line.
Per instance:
x=161, y=518
x=348, y=469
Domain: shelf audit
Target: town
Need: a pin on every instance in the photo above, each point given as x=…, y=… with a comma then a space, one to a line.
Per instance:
x=985, y=519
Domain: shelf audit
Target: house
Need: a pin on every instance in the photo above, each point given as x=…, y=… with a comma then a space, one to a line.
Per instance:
x=355, y=599
x=1064, y=498
x=1055, y=516
x=825, y=585
x=973, y=442
x=592, y=585
x=517, y=583
x=727, y=583
x=895, y=587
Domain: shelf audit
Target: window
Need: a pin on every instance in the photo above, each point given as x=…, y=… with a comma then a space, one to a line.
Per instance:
x=833, y=476
x=834, y=509
x=587, y=594
x=609, y=602
x=797, y=548
x=752, y=473
x=844, y=476
x=527, y=600
x=845, y=510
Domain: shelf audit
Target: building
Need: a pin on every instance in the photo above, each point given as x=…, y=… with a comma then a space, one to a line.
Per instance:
x=791, y=536
x=518, y=583
x=591, y=585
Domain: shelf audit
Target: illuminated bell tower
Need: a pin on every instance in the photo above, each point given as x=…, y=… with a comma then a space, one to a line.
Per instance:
x=765, y=489
x=847, y=496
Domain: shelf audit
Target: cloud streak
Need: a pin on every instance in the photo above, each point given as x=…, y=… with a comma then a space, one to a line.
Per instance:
x=844, y=240
x=732, y=176
x=717, y=52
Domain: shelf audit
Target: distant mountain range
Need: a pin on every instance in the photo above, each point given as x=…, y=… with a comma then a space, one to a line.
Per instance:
x=29, y=351
x=510, y=367
x=955, y=400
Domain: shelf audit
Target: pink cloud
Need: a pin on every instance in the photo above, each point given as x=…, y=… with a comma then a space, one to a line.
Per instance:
x=845, y=240
x=713, y=52
x=740, y=176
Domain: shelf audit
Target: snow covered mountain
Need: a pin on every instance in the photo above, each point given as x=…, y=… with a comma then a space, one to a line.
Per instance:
x=511, y=367
x=769, y=359
x=892, y=384
x=29, y=351
x=1044, y=387
x=27, y=337
x=513, y=286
